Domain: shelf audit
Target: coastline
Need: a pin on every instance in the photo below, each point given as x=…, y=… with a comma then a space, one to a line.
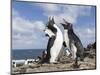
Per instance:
x=65, y=64
x=88, y=64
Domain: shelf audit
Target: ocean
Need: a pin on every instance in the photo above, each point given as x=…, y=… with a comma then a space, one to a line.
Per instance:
x=26, y=54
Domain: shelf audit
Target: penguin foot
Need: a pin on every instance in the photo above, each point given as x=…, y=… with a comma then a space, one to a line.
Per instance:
x=76, y=65
x=56, y=63
x=82, y=59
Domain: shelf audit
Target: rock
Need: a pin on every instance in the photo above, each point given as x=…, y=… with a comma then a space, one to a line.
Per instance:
x=65, y=63
x=90, y=51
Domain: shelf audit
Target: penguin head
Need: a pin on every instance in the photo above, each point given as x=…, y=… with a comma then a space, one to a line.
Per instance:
x=51, y=21
x=50, y=30
x=66, y=25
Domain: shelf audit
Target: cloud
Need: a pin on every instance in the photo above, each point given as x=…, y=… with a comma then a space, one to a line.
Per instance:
x=86, y=35
x=26, y=33
x=50, y=8
x=39, y=25
x=85, y=32
x=26, y=25
x=69, y=12
x=29, y=34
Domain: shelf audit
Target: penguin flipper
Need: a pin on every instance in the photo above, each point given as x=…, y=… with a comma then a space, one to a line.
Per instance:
x=64, y=44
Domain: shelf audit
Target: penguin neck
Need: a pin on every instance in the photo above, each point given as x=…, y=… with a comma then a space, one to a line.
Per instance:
x=65, y=31
x=70, y=31
x=59, y=33
x=56, y=26
x=65, y=34
x=66, y=38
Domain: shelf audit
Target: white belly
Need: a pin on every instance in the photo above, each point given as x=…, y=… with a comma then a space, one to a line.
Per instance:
x=66, y=38
x=55, y=50
x=74, y=50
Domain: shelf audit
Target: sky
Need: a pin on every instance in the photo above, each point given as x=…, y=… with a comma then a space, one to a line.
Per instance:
x=30, y=18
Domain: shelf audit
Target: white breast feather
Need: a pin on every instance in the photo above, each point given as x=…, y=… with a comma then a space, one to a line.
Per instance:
x=74, y=50
x=66, y=38
x=56, y=46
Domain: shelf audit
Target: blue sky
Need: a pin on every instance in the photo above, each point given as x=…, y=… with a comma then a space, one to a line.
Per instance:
x=29, y=20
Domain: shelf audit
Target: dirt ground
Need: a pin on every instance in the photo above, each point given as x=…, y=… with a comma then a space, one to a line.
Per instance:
x=89, y=63
x=65, y=64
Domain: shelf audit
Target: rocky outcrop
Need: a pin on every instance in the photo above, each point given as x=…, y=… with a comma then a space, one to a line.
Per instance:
x=90, y=50
x=65, y=63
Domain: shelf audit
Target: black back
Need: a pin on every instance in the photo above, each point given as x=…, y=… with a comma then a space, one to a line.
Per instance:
x=74, y=38
x=51, y=39
x=50, y=26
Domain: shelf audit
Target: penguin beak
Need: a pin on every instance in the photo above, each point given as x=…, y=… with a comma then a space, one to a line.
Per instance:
x=62, y=24
x=46, y=35
x=65, y=21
